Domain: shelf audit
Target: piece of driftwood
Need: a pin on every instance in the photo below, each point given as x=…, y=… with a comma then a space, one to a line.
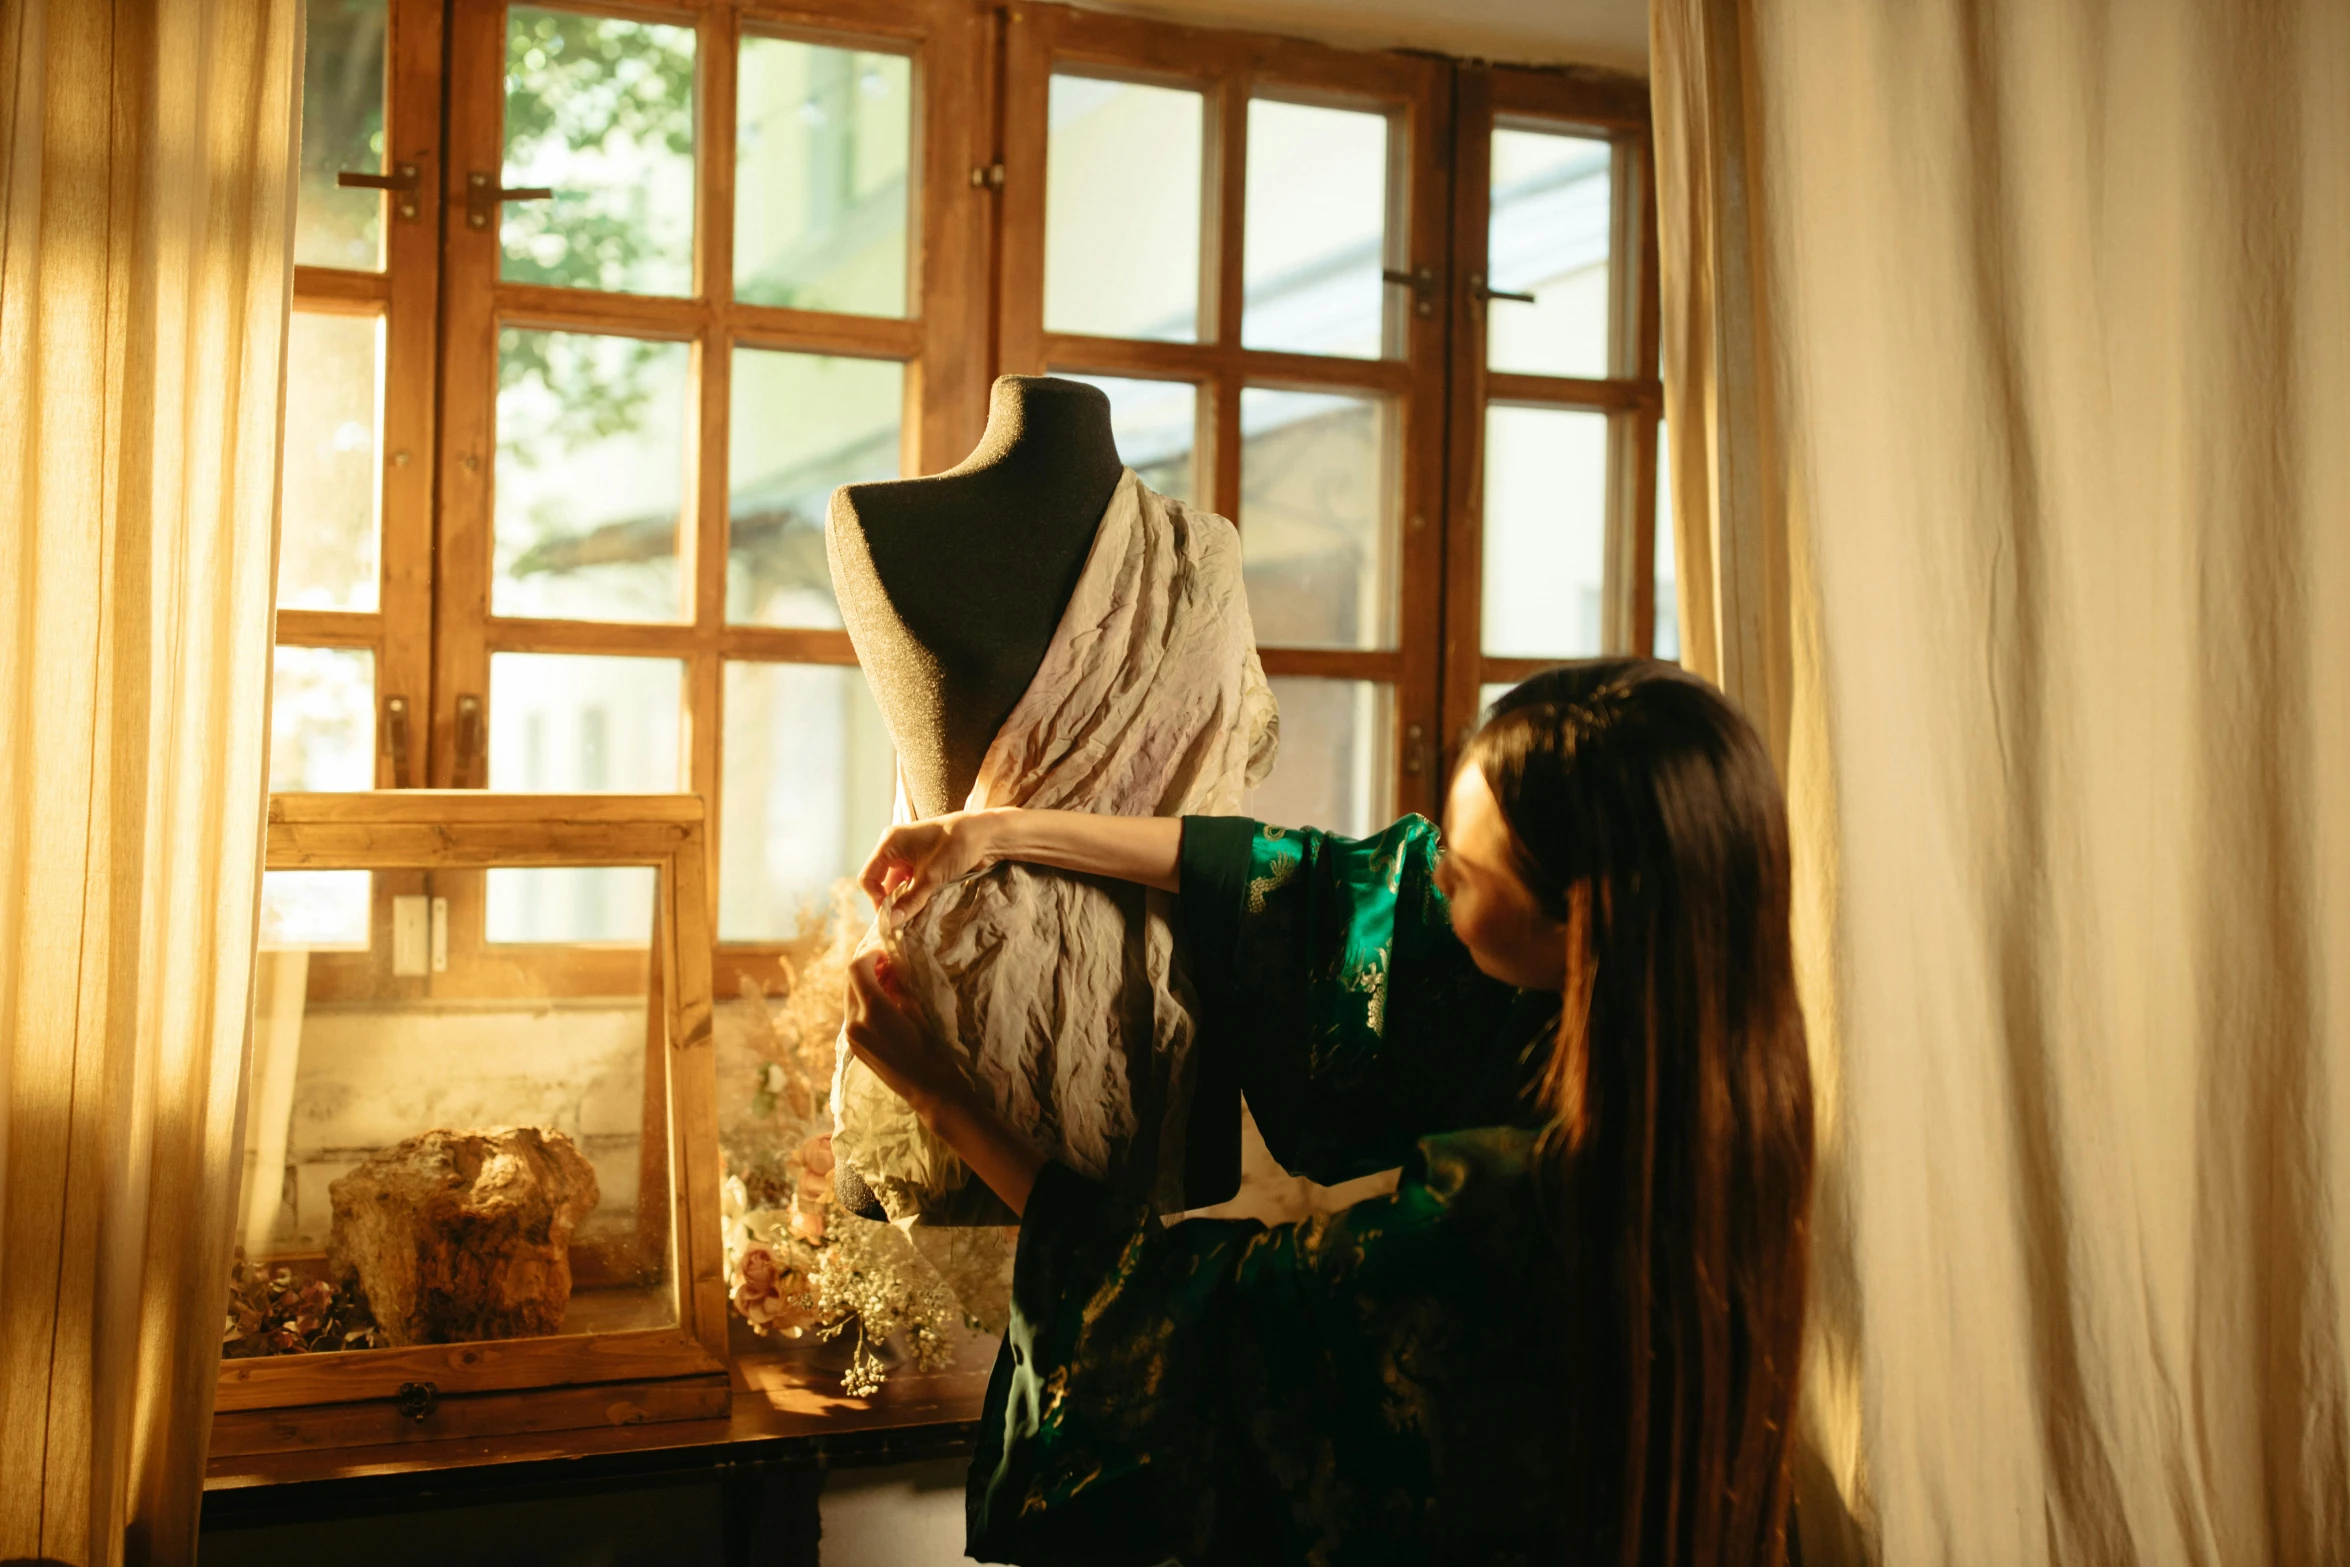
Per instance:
x=458, y=1235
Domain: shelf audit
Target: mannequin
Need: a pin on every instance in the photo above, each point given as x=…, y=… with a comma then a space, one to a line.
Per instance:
x=951, y=586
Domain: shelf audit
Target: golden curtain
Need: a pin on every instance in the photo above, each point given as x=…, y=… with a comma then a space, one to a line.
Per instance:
x=2008, y=374
x=145, y=268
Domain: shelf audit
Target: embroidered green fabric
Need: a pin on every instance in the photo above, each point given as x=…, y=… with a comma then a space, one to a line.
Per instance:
x=1374, y=1386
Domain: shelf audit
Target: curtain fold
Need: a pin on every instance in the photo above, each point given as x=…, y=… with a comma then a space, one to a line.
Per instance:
x=2008, y=371
x=146, y=183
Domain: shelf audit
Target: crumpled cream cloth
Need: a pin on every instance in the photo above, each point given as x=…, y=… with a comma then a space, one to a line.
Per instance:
x=1058, y=991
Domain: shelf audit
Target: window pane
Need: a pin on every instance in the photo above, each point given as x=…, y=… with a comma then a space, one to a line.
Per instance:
x=802, y=425
x=1491, y=692
x=1316, y=235
x=1317, y=518
x=590, y=477
x=330, y=489
x=1549, y=238
x=321, y=719
x=1545, y=531
x=1122, y=210
x=810, y=779
x=822, y=147
x=1335, y=768
x=1156, y=425
x=1668, y=602
x=602, y=111
x=315, y=909
x=567, y=723
x=570, y=903
x=342, y=128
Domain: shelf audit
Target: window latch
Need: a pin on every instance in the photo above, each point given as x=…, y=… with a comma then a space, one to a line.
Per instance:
x=1477, y=288
x=483, y=195
x=401, y=182
x=1421, y=281
x=396, y=738
x=468, y=742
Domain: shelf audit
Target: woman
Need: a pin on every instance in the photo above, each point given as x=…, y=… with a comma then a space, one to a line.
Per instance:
x=1571, y=1334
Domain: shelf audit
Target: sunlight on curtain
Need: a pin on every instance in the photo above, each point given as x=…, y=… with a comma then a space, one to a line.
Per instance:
x=145, y=267
x=2007, y=368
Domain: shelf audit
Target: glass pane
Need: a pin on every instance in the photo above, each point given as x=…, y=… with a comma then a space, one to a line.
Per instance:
x=390, y=1093
x=342, y=128
x=330, y=494
x=602, y=111
x=1549, y=237
x=1335, y=768
x=1492, y=691
x=810, y=779
x=602, y=903
x=802, y=425
x=571, y=723
x=1156, y=425
x=1122, y=210
x=1545, y=531
x=1318, y=480
x=1316, y=235
x=1668, y=600
x=822, y=144
x=591, y=476
x=315, y=909
x=321, y=719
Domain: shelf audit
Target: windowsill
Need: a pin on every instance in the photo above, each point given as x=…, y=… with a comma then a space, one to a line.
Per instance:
x=787, y=1404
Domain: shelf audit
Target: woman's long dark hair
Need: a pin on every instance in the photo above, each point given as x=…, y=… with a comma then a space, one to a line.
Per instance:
x=1649, y=821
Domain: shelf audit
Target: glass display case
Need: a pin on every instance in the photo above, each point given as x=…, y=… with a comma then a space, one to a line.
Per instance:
x=480, y=1178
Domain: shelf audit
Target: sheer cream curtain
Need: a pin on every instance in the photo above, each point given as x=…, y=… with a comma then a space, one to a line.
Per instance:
x=145, y=266
x=2009, y=381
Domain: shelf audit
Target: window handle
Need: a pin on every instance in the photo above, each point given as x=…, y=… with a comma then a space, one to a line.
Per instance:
x=400, y=182
x=1477, y=288
x=1421, y=281
x=468, y=742
x=483, y=194
x=396, y=738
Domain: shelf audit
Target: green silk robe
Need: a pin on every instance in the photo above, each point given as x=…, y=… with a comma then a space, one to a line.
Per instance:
x=1379, y=1385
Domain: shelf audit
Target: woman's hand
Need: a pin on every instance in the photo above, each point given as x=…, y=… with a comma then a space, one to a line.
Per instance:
x=914, y=860
x=887, y=1036
x=891, y=1038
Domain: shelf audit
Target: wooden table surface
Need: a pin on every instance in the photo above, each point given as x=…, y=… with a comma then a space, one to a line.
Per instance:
x=787, y=1402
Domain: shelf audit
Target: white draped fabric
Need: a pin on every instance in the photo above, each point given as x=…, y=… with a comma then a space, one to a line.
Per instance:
x=2008, y=374
x=146, y=175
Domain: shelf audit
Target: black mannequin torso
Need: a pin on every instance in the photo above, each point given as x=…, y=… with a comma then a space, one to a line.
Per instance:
x=951, y=586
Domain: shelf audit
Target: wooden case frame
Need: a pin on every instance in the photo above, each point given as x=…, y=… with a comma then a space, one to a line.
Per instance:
x=420, y=1392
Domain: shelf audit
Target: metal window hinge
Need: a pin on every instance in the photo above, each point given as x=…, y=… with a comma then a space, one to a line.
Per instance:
x=483, y=194
x=988, y=177
x=1421, y=281
x=1415, y=750
x=401, y=182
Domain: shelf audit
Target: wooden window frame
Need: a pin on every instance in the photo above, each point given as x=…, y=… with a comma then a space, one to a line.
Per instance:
x=1228, y=68
x=405, y=296
x=945, y=391
x=1631, y=395
x=975, y=309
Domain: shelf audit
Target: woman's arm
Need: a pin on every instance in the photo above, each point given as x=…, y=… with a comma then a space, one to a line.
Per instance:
x=915, y=860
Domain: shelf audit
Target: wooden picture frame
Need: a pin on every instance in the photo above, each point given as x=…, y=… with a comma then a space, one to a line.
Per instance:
x=570, y=1381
